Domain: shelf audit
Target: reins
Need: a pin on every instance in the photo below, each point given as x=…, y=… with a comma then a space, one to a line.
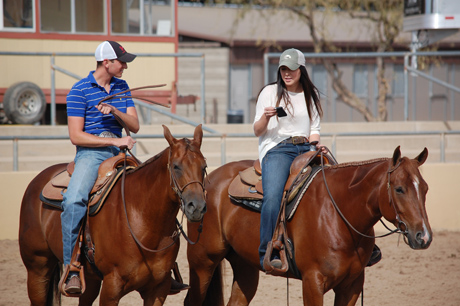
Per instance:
x=176, y=233
x=173, y=236
x=345, y=219
x=120, y=121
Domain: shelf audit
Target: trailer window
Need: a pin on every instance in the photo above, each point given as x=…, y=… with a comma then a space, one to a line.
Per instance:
x=82, y=16
x=143, y=17
x=17, y=15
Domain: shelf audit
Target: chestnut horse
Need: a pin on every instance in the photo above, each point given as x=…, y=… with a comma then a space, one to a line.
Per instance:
x=154, y=192
x=329, y=253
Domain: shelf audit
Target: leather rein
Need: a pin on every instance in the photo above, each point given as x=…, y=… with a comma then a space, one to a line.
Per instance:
x=179, y=229
x=401, y=223
x=173, y=181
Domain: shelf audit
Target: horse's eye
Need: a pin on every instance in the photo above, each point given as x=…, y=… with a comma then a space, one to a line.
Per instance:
x=176, y=167
x=399, y=190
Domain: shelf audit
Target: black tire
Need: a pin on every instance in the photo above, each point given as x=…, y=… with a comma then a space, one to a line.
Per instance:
x=24, y=103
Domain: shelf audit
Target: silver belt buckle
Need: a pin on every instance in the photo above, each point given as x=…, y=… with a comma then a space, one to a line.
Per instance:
x=107, y=134
x=298, y=140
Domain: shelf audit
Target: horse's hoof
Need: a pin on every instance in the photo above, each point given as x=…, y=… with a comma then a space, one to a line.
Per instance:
x=73, y=285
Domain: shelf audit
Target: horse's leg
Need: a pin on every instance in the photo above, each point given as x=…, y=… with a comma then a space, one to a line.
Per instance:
x=312, y=290
x=348, y=295
x=93, y=287
x=39, y=276
x=155, y=295
x=206, y=284
x=112, y=290
x=245, y=281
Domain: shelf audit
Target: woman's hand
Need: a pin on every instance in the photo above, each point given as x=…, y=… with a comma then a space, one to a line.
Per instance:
x=260, y=127
x=269, y=112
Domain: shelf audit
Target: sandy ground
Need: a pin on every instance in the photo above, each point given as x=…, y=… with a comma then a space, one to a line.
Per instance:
x=403, y=277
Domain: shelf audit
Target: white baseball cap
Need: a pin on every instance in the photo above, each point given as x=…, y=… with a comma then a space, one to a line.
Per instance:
x=112, y=50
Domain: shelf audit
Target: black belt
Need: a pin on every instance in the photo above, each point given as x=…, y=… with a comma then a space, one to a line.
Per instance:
x=296, y=140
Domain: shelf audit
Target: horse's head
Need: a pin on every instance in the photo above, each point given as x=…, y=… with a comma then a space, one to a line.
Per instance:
x=406, y=191
x=187, y=168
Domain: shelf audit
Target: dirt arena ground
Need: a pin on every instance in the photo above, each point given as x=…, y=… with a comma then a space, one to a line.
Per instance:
x=403, y=277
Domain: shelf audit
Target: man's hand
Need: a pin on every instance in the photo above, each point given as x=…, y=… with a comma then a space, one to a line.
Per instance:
x=125, y=142
x=105, y=108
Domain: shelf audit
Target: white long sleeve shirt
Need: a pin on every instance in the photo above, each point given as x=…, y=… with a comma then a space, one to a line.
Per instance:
x=296, y=123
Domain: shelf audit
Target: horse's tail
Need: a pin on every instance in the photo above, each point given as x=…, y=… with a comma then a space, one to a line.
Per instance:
x=54, y=295
x=215, y=292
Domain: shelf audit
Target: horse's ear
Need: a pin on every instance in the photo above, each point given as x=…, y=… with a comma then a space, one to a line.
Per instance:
x=421, y=158
x=396, y=155
x=168, y=136
x=198, y=135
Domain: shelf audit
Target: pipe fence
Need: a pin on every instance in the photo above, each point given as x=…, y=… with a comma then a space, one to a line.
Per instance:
x=224, y=136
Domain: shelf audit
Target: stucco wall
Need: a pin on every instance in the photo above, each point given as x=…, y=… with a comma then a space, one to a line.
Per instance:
x=442, y=200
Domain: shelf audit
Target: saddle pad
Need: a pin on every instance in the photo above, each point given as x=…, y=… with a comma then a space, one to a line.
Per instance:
x=294, y=203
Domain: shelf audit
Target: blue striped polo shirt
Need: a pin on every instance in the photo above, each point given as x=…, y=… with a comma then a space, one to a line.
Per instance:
x=84, y=97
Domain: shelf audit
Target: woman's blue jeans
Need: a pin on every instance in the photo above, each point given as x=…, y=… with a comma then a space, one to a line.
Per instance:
x=275, y=172
x=75, y=200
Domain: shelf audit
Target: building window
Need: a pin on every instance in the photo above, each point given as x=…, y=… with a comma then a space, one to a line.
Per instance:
x=73, y=16
x=133, y=17
x=360, y=82
x=398, y=81
x=17, y=15
x=143, y=17
x=319, y=78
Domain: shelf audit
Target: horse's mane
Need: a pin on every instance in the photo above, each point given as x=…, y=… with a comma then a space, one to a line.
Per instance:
x=357, y=163
x=147, y=162
x=189, y=146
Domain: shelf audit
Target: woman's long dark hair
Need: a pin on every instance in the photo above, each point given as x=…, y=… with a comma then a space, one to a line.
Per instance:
x=310, y=92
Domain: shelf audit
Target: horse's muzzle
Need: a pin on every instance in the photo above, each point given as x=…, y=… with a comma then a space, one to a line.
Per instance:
x=420, y=240
x=195, y=210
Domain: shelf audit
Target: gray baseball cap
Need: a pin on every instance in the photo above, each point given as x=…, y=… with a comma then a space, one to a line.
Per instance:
x=292, y=58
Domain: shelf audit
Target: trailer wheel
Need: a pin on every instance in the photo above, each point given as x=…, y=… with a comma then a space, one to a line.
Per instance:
x=24, y=103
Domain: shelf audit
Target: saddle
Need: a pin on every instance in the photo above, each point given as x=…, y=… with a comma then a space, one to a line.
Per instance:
x=109, y=172
x=246, y=188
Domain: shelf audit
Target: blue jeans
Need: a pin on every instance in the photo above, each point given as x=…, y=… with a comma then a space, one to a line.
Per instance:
x=275, y=172
x=75, y=200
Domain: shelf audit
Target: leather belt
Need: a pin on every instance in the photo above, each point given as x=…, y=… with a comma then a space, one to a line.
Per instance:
x=296, y=140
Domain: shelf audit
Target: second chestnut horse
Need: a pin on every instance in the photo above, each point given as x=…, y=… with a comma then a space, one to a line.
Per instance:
x=329, y=252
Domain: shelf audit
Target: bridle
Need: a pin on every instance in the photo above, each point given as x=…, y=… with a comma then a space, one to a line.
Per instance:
x=400, y=222
x=402, y=226
x=179, y=190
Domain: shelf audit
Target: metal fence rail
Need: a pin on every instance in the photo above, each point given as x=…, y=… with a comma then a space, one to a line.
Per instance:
x=223, y=137
x=410, y=65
